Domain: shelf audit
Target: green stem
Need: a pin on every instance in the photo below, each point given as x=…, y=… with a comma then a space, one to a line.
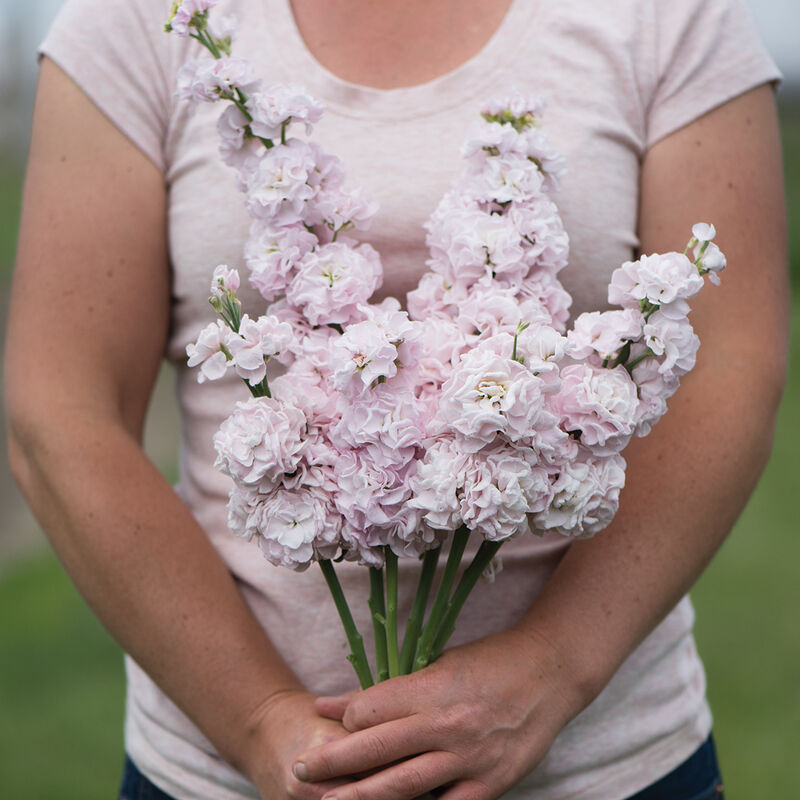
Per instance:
x=486, y=552
x=638, y=360
x=378, y=609
x=411, y=638
x=391, y=612
x=442, y=599
x=358, y=656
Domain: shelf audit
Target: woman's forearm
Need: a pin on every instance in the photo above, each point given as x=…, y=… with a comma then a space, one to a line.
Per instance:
x=150, y=574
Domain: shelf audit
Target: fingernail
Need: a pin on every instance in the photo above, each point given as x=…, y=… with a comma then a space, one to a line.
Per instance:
x=300, y=771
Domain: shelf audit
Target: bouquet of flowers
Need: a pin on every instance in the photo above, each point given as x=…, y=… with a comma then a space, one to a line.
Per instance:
x=474, y=412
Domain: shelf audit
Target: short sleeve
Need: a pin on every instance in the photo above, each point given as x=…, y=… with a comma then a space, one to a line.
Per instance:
x=708, y=52
x=117, y=53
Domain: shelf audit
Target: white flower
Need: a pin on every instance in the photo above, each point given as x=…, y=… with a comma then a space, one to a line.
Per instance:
x=703, y=231
x=662, y=280
x=489, y=394
x=585, y=496
x=257, y=341
x=209, y=351
x=224, y=280
x=260, y=441
x=675, y=340
x=278, y=105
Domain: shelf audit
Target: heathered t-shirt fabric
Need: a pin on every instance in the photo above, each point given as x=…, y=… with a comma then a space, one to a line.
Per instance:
x=617, y=80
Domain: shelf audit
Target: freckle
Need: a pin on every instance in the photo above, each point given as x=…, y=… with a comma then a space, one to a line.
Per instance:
x=91, y=515
x=68, y=293
x=730, y=184
x=748, y=120
x=137, y=527
x=110, y=273
x=122, y=261
x=698, y=143
x=63, y=159
x=90, y=309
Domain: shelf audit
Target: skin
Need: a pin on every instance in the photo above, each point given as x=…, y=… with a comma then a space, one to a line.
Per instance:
x=90, y=309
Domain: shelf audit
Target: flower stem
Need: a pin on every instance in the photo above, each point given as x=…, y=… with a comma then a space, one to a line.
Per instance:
x=411, y=638
x=486, y=552
x=442, y=599
x=391, y=612
x=358, y=656
x=378, y=609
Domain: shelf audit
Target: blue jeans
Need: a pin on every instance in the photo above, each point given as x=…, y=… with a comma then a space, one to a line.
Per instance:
x=698, y=778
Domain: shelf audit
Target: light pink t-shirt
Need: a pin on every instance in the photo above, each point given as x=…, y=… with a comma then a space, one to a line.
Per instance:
x=618, y=77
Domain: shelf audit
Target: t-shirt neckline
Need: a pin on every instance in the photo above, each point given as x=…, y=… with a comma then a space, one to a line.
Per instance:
x=465, y=82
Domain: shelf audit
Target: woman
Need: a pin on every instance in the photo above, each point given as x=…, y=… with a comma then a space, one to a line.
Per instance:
x=576, y=674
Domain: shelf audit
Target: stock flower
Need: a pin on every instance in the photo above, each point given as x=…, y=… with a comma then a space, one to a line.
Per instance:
x=278, y=105
x=272, y=254
x=260, y=441
x=258, y=340
x=470, y=244
x=675, y=340
x=654, y=388
x=224, y=280
x=211, y=79
x=295, y=528
x=282, y=183
x=333, y=281
x=585, y=496
x=209, y=351
x=665, y=280
x=489, y=394
x=603, y=333
x=599, y=403
x=185, y=15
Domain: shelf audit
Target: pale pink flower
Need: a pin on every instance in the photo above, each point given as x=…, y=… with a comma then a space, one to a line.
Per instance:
x=342, y=210
x=662, y=280
x=273, y=253
x=470, y=244
x=210, y=351
x=544, y=288
x=443, y=343
x=544, y=241
x=517, y=105
x=280, y=104
x=296, y=527
x=654, y=388
x=489, y=394
x=435, y=296
x=598, y=403
x=283, y=183
x=237, y=151
x=395, y=419
x=585, y=496
x=675, y=340
x=333, y=281
x=224, y=280
x=604, y=333
x=211, y=79
x=260, y=441
x=184, y=14
x=257, y=341
x=506, y=178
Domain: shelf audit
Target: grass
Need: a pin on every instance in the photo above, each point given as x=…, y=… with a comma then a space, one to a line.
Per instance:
x=61, y=681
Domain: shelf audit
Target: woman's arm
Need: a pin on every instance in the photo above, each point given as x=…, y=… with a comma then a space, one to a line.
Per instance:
x=487, y=713
x=88, y=325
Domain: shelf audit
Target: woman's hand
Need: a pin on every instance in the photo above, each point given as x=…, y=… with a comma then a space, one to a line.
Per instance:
x=476, y=721
x=288, y=725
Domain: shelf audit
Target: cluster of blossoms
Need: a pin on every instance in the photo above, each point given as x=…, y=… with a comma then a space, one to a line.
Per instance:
x=475, y=410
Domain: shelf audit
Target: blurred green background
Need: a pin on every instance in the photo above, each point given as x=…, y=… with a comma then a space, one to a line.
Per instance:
x=61, y=680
